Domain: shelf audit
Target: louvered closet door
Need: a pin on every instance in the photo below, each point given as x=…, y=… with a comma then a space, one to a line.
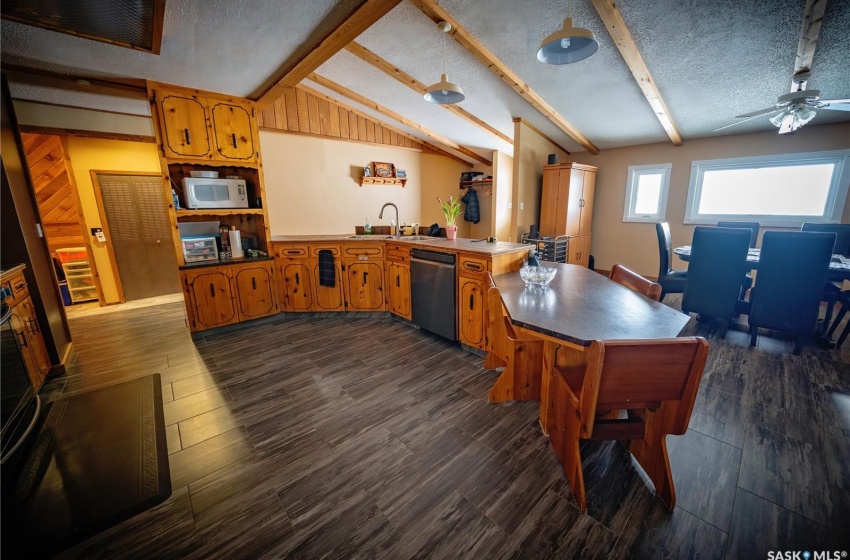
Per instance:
x=141, y=235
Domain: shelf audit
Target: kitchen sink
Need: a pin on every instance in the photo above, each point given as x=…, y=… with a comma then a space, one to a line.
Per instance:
x=416, y=238
x=370, y=237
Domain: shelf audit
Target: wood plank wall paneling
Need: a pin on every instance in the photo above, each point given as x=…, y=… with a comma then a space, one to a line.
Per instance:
x=53, y=191
x=301, y=111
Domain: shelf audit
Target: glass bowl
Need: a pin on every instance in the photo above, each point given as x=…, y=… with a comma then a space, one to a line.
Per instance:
x=537, y=275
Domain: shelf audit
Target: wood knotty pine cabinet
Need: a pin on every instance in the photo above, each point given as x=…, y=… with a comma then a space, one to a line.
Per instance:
x=221, y=295
x=358, y=277
x=398, y=280
x=25, y=326
x=199, y=126
x=566, y=207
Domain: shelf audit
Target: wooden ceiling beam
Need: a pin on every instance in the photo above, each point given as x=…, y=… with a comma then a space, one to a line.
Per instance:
x=623, y=39
x=437, y=14
x=122, y=87
x=541, y=133
x=365, y=101
x=809, y=31
x=359, y=21
x=384, y=66
x=338, y=103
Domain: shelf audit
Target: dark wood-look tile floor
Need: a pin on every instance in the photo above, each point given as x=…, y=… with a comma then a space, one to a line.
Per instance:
x=339, y=437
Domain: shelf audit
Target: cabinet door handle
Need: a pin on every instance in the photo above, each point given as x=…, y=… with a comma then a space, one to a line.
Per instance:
x=33, y=325
x=233, y=137
x=471, y=302
x=365, y=274
x=21, y=337
x=397, y=281
x=212, y=290
x=473, y=266
x=188, y=138
x=20, y=286
x=297, y=279
x=293, y=252
x=254, y=283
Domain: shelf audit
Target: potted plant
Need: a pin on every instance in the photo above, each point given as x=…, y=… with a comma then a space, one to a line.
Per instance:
x=451, y=210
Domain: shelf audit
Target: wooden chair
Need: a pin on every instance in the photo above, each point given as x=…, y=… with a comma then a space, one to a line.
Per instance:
x=656, y=381
x=635, y=282
x=522, y=358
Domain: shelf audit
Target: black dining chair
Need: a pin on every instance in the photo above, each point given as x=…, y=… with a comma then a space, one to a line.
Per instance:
x=842, y=247
x=792, y=272
x=672, y=281
x=844, y=300
x=752, y=226
x=718, y=262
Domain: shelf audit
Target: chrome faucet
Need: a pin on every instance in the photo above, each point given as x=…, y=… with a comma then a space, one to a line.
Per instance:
x=397, y=222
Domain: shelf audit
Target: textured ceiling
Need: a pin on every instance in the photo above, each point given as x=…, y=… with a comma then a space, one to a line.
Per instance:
x=710, y=60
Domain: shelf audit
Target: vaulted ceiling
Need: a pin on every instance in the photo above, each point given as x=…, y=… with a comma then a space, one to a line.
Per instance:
x=709, y=60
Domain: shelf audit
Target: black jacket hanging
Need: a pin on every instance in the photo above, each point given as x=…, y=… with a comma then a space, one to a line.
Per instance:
x=472, y=212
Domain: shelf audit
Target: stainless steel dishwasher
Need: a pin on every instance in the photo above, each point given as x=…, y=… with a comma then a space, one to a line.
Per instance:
x=432, y=279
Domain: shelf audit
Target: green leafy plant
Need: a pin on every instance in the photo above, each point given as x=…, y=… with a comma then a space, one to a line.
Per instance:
x=451, y=209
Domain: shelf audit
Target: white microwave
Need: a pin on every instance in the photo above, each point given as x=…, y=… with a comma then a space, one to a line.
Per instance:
x=215, y=193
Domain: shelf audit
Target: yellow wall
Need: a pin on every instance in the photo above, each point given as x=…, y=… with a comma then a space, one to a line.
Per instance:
x=503, y=188
x=531, y=152
x=312, y=185
x=106, y=155
x=634, y=244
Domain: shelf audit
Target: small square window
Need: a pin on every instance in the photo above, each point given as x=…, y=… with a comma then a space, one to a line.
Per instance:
x=646, y=193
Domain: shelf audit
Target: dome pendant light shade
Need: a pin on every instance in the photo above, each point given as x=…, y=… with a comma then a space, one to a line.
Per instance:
x=568, y=44
x=444, y=92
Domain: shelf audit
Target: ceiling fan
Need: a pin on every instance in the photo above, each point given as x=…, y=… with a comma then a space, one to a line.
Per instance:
x=795, y=109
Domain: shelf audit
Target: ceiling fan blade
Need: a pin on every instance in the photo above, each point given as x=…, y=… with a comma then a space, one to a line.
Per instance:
x=836, y=104
x=759, y=113
x=786, y=126
x=735, y=123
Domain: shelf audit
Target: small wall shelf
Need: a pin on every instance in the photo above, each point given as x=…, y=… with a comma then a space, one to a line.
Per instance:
x=382, y=181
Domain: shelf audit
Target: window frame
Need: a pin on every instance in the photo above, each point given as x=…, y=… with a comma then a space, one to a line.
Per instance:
x=634, y=173
x=836, y=195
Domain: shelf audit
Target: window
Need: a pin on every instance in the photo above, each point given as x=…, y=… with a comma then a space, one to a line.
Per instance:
x=646, y=193
x=784, y=190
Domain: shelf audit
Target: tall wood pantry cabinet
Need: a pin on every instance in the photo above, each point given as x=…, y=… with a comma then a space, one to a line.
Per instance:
x=566, y=207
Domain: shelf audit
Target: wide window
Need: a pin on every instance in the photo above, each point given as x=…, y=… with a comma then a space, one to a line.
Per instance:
x=646, y=193
x=784, y=190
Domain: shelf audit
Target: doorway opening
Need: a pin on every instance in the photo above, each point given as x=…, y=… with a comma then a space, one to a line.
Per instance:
x=138, y=233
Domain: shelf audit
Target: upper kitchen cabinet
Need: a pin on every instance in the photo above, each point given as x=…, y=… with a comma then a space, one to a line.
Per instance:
x=185, y=127
x=232, y=129
x=196, y=125
x=566, y=207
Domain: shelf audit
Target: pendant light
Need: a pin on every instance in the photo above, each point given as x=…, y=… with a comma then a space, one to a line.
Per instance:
x=567, y=45
x=444, y=92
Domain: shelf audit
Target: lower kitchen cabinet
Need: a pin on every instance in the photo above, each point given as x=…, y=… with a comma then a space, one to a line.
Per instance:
x=296, y=290
x=211, y=295
x=365, y=286
x=254, y=291
x=470, y=304
x=328, y=298
x=398, y=289
x=222, y=295
x=34, y=352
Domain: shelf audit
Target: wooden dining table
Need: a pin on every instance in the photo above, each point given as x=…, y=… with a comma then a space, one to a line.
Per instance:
x=576, y=308
x=839, y=266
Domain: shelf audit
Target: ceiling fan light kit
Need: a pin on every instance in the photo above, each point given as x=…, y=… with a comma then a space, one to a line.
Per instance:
x=567, y=45
x=444, y=92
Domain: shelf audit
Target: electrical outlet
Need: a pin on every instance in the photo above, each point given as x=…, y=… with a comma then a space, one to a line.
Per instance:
x=522, y=206
x=510, y=205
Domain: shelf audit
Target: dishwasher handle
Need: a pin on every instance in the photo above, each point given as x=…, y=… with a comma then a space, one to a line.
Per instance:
x=432, y=263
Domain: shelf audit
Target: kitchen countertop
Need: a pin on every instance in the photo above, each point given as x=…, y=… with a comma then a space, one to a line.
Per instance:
x=11, y=269
x=459, y=245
